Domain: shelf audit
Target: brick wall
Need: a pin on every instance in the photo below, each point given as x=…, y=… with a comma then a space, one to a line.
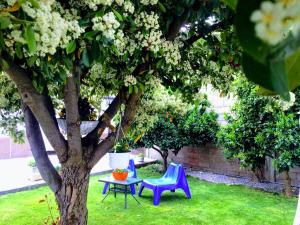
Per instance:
x=8, y=149
x=211, y=158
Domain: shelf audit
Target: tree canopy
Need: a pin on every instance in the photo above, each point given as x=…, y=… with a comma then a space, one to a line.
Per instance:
x=58, y=51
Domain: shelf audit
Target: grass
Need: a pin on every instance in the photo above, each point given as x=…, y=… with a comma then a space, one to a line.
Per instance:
x=214, y=204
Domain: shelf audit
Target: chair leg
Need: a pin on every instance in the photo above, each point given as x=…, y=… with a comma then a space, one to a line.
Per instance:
x=132, y=189
x=141, y=190
x=156, y=196
x=106, y=185
x=187, y=191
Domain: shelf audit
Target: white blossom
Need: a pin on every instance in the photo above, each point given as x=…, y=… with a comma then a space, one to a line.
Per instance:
x=171, y=52
x=128, y=7
x=274, y=20
x=120, y=2
x=51, y=29
x=149, y=2
x=287, y=104
x=129, y=80
x=93, y=4
x=149, y=21
x=107, y=24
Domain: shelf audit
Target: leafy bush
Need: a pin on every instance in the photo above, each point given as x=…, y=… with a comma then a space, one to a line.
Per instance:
x=31, y=163
x=261, y=126
x=122, y=146
x=200, y=126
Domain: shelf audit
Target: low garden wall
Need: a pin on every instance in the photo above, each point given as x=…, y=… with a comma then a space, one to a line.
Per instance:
x=211, y=158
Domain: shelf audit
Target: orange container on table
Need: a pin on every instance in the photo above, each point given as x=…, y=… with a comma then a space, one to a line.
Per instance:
x=120, y=175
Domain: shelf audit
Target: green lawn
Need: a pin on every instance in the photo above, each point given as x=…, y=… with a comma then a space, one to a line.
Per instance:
x=210, y=204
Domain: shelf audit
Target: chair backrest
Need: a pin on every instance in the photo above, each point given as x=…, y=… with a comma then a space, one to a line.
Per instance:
x=176, y=173
x=172, y=172
x=131, y=167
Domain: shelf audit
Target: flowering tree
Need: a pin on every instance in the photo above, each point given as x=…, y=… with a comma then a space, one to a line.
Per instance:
x=63, y=50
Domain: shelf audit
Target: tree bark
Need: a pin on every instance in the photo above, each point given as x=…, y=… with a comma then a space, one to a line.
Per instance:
x=287, y=184
x=259, y=173
x=37, y=145
x=164, y=155
x=165, y=161
x=71, y=95
x=39, y=105
x=131, y=106
x=72, y=197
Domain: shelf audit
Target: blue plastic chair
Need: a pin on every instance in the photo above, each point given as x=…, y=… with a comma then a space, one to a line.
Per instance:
x=173, y=179
x=131, y=174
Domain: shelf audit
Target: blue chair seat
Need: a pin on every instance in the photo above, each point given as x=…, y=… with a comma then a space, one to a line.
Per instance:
x=160, y=181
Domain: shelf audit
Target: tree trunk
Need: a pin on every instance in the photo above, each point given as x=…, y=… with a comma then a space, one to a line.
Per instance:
x=287, y=183
x=259, y=173
x=164, y=155
x=165, y=161
x=72, y=197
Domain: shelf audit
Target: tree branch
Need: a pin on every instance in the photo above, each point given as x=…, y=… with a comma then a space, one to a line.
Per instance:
x=102, y=148
x=157, y=149
x=38, y=150
x=179, y=20
x=39, y=105
x=71, y=95
x=203, y=32
x=93, y=137
x=110, y=112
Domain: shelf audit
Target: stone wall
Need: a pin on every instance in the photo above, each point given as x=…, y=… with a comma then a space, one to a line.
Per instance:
x=211, y=158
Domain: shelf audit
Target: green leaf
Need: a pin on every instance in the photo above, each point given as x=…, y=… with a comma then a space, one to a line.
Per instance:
x=71, y=47
x=292, y=66
x=130, y=89
x=292, y=70
x=162, y=7
x=96, y=51
x=271, y=76
x=62, y=74
x=136, y=89
x=91, y=34
x=85, y=58
x=84, y=22
x=141, y=86
x=118, y=15
x=4, y=65
x=231, y=3
x=68, y=63
x=160, y=63
x=2, y=44
x=246, y=33
x=4, y=22
x=45, y=68
x=34, y=3
x=30, y=39
x=19, y=51
x=31, y=60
